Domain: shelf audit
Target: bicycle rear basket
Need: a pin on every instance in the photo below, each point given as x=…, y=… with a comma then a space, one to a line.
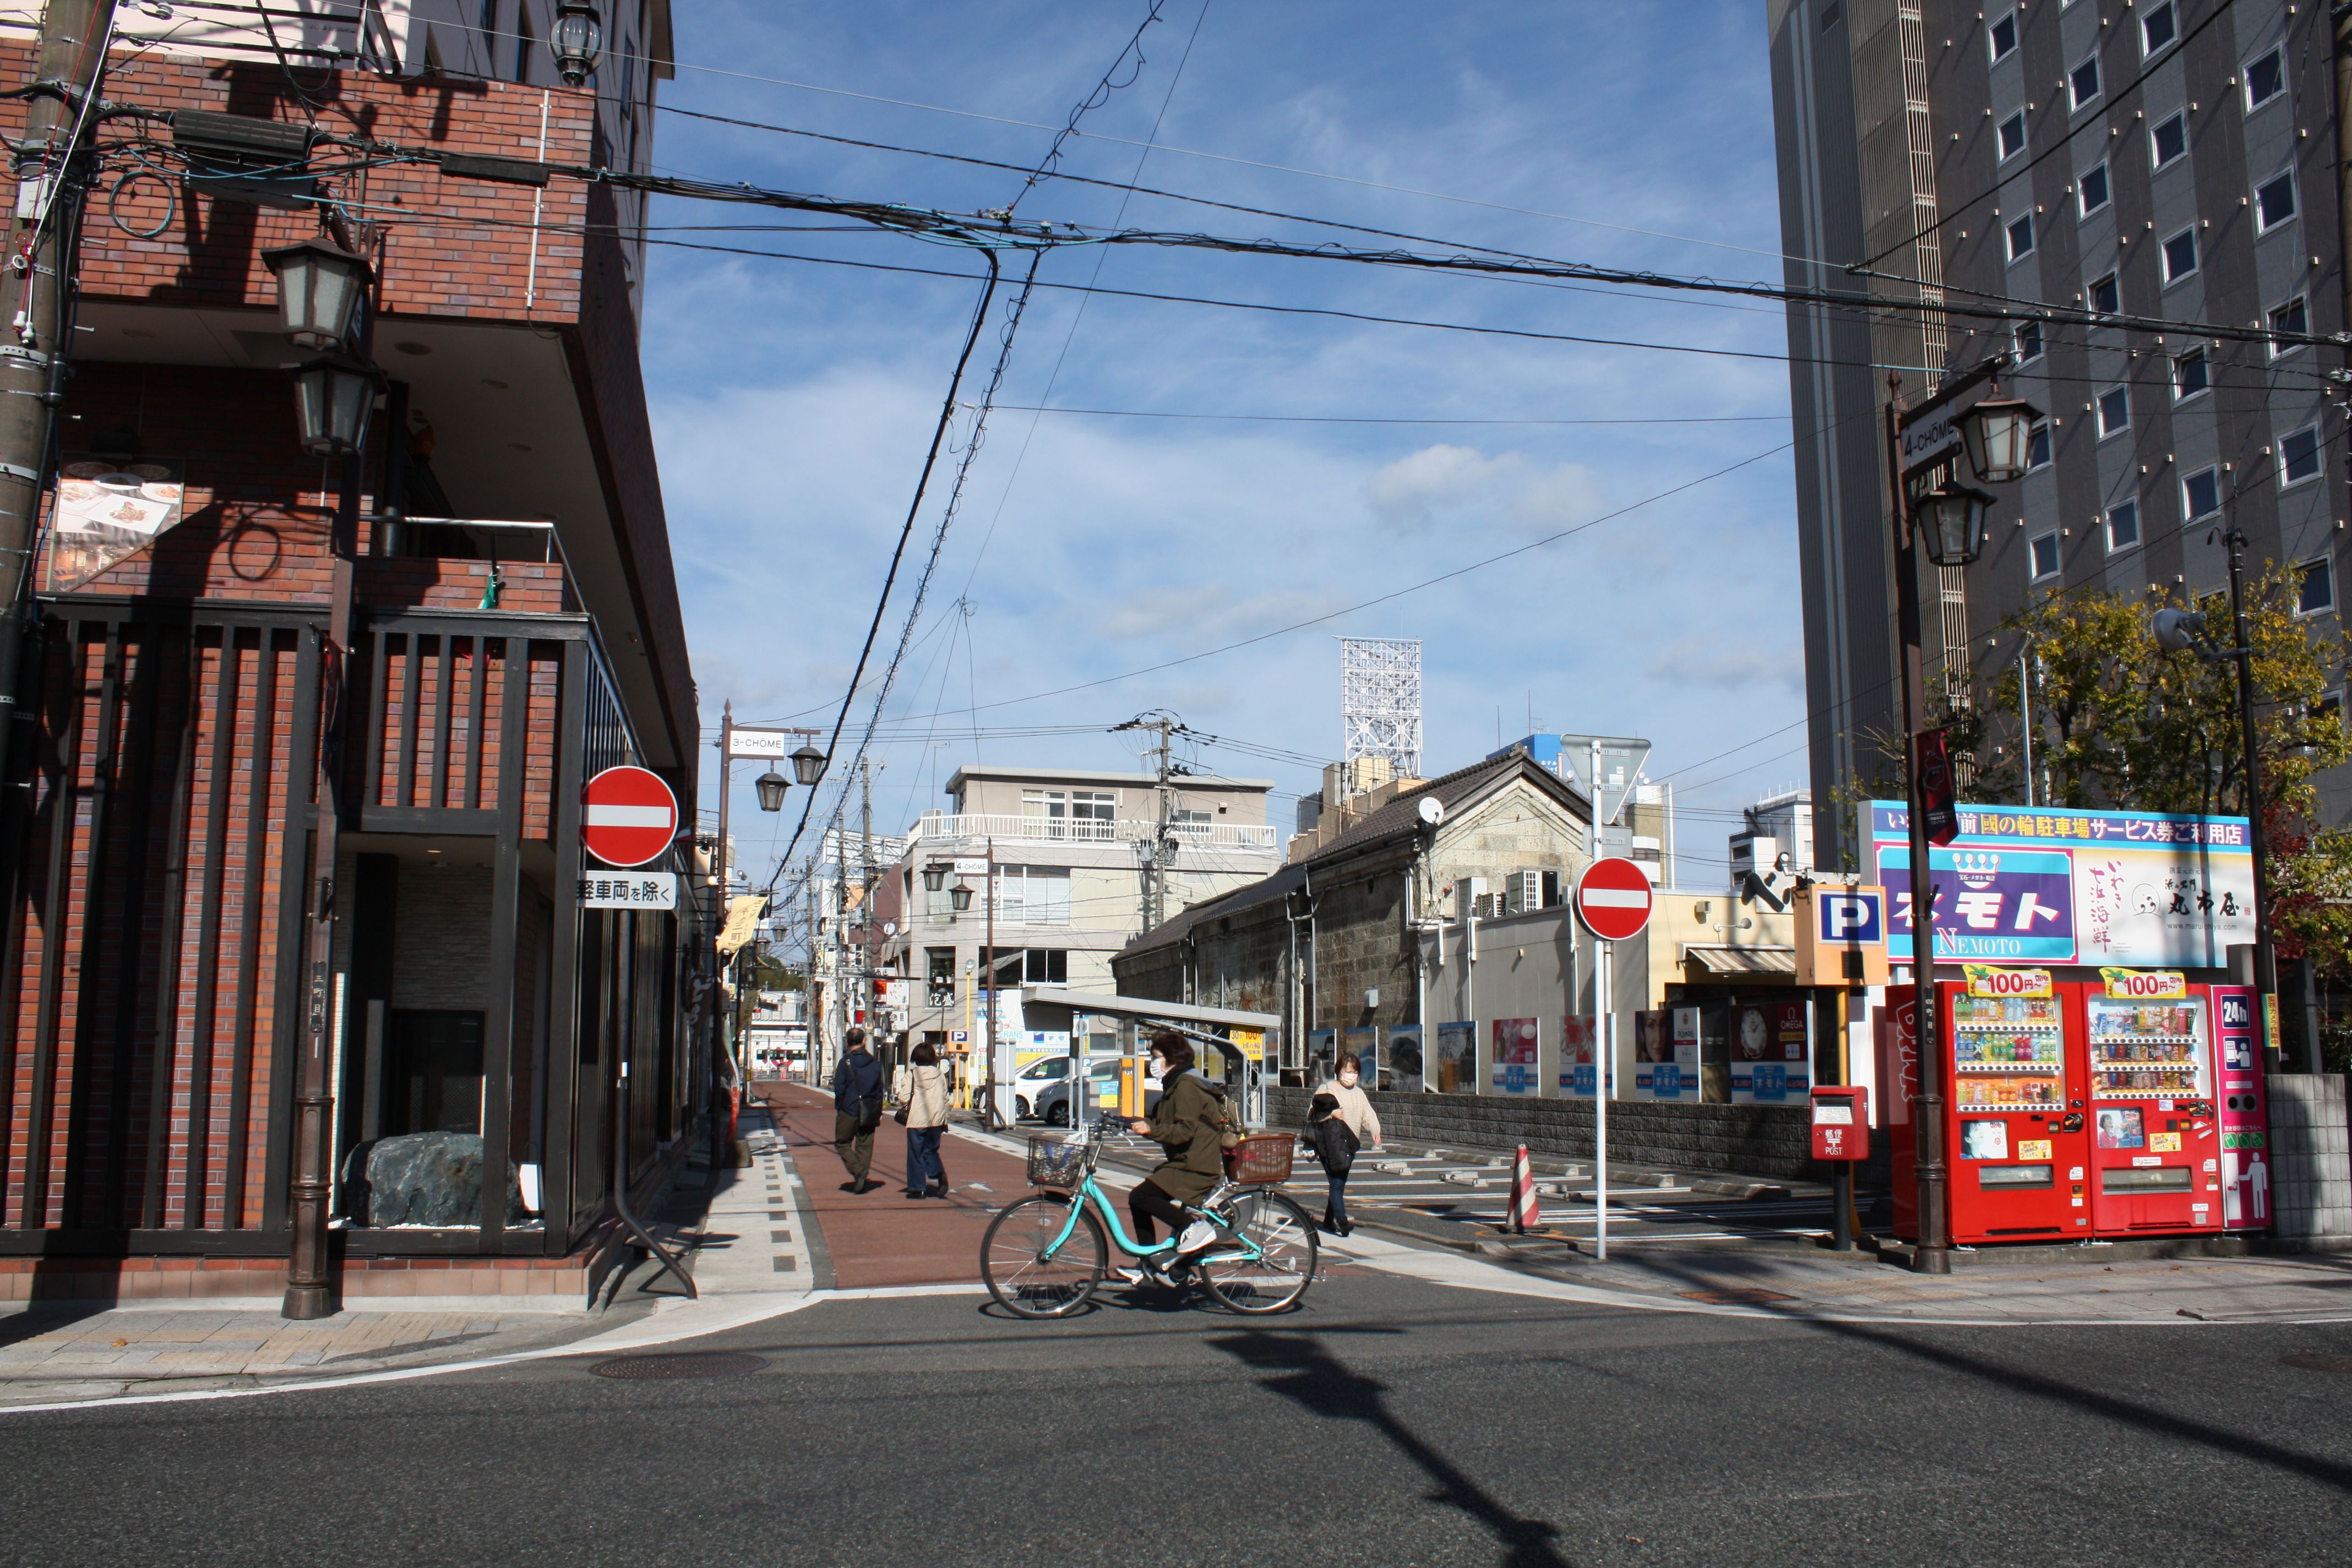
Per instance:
x=1262, y=1158
x=1056, y=1161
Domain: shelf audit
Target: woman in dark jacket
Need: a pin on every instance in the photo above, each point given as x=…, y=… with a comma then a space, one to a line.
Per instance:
x=1333, y=1143
x=1189, y=1125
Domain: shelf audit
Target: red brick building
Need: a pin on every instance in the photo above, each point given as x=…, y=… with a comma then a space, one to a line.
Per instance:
x=515, y=628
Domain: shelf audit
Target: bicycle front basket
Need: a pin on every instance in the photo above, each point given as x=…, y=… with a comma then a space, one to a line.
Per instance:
x=1056, y=1161
x=1262, y=1159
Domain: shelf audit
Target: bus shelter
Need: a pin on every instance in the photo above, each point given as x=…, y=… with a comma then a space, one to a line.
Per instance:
x=1231, y=1046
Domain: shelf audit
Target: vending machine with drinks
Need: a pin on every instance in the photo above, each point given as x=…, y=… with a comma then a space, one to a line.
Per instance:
x=2156, y=1136
x=2014, y=1140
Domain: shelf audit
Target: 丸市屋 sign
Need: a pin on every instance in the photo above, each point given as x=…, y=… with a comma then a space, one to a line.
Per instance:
x=2038, y=886
x=637, y=891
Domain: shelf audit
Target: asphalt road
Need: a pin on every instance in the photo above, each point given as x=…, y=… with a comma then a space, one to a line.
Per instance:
x=1390, y=1423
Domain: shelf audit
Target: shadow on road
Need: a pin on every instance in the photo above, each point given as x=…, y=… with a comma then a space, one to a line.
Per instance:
x=1300, y=1370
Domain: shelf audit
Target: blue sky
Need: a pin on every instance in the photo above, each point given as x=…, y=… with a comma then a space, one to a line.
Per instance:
x=792, y=400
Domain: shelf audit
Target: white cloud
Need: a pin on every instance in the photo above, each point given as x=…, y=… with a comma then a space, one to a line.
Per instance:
x=1408, y=492
x=1722, y=662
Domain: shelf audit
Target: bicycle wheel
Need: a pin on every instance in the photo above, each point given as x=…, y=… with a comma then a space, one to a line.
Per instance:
x=1024, y=1281
x=1285, y=1238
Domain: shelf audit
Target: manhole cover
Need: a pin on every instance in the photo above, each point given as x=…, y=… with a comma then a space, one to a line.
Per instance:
x=1735, y=1297
x=692, y=1363
x=2317, y=1363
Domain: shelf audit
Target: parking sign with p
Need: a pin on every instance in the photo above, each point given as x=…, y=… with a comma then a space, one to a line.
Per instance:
x=1840, y=935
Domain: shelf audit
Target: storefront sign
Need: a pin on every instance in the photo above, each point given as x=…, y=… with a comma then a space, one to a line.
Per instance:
x=1251, y=1043
x=2146, y=985
x=1665, y=1054
x=1984, y=980
x=637, y=891
x=2034, y=885
x=1515, y=1055
x=1769, y=1065
x=1840, y=935
x=1578, y=1040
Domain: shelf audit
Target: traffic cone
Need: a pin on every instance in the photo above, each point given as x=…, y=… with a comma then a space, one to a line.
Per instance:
x=1525, y=1216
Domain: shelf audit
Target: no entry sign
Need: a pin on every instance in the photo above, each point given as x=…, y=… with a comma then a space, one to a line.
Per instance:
x=1613, y=899
x=628, y=817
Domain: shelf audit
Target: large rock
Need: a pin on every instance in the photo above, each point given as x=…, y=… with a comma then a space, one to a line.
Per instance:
x=422, y=1178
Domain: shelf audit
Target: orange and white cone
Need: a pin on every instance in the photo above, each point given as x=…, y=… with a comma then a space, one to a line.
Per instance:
x=1525, y=1216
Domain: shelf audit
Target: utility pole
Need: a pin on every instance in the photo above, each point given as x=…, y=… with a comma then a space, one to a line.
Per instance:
x=52, y=164
x=1161, y=852
x=866, y=890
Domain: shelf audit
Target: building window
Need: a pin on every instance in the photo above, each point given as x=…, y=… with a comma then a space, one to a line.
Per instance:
x=2082, y=81
x=2328, y=710
x=1033, y=895
x=2299, y=455
x=2291, y=317
x=2037, y=444
x=2189, y=375
x=1191, y=824
x=2028, y=342
x=2107, y=296
x=2274, y=203
x=2123, y=525
x=1033, y=966
x=490, y=22
x=2012, y=136
x=2201, y=494
x=1045, y=814
x=2265, y=79
x=2180, y=256
x=2316, y=591
x=2093, y=188
x=2169, y=141
x=522, y=43
x=2002, y=35
x=2042, y=556
x=1091, y=814
x=2158, y=25
x=2115, y=412
x=2020, y=239
x=939, y=974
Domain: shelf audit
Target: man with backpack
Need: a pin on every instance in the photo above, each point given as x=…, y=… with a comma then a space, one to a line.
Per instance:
x=857, y=1110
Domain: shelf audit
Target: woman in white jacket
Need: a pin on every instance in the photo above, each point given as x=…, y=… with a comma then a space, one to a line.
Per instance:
x=1355, y=1106
x=921, y=1086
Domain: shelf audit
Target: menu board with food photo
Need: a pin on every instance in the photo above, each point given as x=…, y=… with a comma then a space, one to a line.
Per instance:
x=105, y=511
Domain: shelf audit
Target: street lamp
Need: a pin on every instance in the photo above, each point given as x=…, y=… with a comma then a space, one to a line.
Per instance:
x=332, y=398
x=1952, y=517
x=319, y=288
x=808, y=765
x=960, y=897
x=576, y=39
x=1999, y=433
x=934, y=878
x=771, y=786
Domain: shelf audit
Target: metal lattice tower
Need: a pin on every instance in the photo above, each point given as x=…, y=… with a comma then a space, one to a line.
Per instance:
x=1379, y=700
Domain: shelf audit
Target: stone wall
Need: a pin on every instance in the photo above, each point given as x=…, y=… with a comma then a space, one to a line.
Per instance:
x=2311, y=1169
x=1747, y=1140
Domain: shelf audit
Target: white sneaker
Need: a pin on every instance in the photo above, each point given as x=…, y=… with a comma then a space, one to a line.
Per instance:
x=1197, y=1234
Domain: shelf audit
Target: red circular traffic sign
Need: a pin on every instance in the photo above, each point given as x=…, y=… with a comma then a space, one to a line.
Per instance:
x=628, y=817
x=1613, y=899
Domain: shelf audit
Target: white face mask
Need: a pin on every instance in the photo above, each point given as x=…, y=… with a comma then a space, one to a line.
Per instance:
x=1159, y=1066
x=1348, y=1078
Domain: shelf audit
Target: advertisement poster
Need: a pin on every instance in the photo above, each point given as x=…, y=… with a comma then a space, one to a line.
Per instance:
x=1364, y=1045
x=1457, y=1060
x=1515, y=1055
x=1403, y=1059
x=1665, y=1054
x=2026, y=885
x=1770, y=1061
x=105, y=511
x=1322, y=1053
x=1579, y=1039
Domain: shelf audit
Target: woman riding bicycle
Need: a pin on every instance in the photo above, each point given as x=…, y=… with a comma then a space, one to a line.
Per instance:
x=1188, y=1123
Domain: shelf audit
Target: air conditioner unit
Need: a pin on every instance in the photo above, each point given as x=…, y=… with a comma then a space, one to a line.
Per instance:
x=1524, y=891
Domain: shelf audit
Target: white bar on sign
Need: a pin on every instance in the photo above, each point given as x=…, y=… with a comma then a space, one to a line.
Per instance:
x=629, y=817
x=742, y=742
x=1615, y=899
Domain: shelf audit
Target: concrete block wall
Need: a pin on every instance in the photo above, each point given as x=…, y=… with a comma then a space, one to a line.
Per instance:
x=2311, y=1162
x=1745, y=1139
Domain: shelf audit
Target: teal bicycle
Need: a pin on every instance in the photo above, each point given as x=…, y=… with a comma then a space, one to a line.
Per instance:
x=1044, y=1255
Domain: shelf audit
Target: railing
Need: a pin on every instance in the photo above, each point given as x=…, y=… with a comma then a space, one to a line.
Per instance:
x=469, y=539
x=940, y=825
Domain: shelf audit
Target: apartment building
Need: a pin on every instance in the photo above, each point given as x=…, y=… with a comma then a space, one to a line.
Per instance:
x=2172, y=159
x=1070, y=851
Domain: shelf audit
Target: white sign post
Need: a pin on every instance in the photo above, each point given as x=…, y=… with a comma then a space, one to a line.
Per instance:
x=1613, y=899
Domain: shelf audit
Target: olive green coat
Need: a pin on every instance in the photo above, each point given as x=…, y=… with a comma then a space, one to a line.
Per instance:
x=1189, y=1122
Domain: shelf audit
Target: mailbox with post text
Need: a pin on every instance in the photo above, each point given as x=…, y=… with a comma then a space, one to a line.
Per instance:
x=1841, y=1122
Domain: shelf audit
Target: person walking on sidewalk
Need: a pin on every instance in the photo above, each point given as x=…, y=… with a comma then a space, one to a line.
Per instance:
x=921, y=1088
x=1333, y=1143
x=857, y=1110
x=1189, y=1125
x=1355, y=1106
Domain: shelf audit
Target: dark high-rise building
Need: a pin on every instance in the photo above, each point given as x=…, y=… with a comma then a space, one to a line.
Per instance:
x=2172, y=163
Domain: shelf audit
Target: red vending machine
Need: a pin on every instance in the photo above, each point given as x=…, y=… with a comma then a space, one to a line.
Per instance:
x=2155, y=1143
x=2014, y=1140
x=2244, y=1114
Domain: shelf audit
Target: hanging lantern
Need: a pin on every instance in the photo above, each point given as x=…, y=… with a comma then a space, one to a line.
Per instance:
x=576, y=39
x=1999, y=433
x=808, y=765
x=334, y=397
x=319, y=288
x=959, y=896
x=934, y=878
x=1952, y=517
x=771, y=786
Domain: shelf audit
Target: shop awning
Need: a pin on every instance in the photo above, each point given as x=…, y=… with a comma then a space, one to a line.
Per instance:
x=1706, y=962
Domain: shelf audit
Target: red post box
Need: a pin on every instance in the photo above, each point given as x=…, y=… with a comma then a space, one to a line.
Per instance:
x=1841, y=1122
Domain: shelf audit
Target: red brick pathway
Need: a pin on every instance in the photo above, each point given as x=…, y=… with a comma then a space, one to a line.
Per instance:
x=882, y=1237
